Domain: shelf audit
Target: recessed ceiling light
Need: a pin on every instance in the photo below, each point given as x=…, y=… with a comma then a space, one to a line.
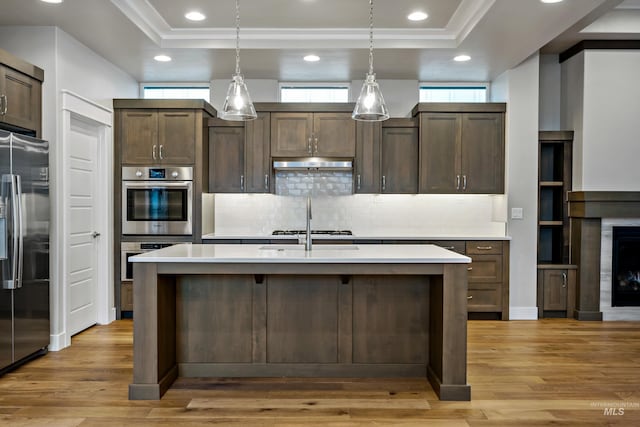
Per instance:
x=195, y=16
x=417, y=16
x=462, y=58
x=312, y=58
x=550, y=1
x=162, y=58
x=53, y=1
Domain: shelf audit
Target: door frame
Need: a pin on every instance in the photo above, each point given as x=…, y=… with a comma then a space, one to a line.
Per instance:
x=75, y=107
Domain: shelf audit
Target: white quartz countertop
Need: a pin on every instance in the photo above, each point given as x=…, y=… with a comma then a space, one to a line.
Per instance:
x=341, y=254
x=213, y=236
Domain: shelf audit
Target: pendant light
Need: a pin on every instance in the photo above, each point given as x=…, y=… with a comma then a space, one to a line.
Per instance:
x=237, y=105
x=370, y=105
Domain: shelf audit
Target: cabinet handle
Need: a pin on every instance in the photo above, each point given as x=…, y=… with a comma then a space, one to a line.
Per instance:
x=161, y=156
x=464, y=182
x=484, y=248
x=384, y=183
x=242, y=182
x=469, y=268
x=457, y=182
x=564, y=280
x=309, y=146
x=153, y=152
x=3, y=104
x=266, y=182
x=358, y=182
x=315, y=145
x=470, y=297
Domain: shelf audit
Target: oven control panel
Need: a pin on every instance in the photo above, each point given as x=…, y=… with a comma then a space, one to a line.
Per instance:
x=140, y=173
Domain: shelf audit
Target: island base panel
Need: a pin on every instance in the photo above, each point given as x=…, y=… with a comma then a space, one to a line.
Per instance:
x=429, y=302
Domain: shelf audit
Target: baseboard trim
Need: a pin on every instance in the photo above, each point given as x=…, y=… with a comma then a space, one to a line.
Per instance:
x=58, y=341
x=523, y=313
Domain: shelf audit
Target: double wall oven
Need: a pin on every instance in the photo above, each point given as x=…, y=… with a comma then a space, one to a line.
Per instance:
x=157, y=201
x=157, y=206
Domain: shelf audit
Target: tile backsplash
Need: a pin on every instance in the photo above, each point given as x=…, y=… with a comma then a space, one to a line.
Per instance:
x=365, y=214
x=316, y=183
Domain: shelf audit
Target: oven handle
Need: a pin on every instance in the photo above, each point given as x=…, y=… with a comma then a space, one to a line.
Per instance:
x=172, y=184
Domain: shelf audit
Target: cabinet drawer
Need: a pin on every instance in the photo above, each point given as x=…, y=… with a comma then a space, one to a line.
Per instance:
x=485, y=269
x=484, y=299
x=484, y=247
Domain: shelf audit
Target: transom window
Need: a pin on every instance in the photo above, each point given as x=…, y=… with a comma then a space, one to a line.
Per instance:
x=314, y=92
x=454, y=92
x=175, y=91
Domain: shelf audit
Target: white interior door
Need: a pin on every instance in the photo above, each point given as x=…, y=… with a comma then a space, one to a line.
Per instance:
x=82, y=271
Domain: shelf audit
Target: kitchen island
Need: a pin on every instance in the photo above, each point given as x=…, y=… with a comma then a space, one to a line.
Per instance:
x=278, y=310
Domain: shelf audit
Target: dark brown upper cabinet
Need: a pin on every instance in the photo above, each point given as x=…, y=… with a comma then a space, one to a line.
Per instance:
x=366, y=167
x=461, y=148
x=152, y=137
x=20, y=93
x=386, y=157
x=304, y=134
x=399, y=157
x=239, y=156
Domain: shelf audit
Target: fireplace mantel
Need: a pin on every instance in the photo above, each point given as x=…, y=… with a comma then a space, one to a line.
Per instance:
x=586, y=210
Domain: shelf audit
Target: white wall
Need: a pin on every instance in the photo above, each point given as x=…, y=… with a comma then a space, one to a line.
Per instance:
x=571, y=111
x=86, y=73
x=611, y=125
x=519, y=88
x=549, y=108
x=67, y=64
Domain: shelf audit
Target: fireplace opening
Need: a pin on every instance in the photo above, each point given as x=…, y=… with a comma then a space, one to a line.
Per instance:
x=626, y=267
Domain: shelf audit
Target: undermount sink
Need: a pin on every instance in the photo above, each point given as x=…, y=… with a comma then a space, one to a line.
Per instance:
x=316, y=247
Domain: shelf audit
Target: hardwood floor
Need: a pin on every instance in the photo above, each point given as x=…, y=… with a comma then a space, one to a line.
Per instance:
x=554, y=371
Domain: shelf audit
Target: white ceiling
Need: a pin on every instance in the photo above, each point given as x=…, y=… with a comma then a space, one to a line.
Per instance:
x=276, y=34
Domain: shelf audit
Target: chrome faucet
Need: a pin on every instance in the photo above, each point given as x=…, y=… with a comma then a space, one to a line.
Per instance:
x=307, y=243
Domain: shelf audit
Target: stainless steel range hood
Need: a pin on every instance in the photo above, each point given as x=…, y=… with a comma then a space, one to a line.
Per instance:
x=307, y=163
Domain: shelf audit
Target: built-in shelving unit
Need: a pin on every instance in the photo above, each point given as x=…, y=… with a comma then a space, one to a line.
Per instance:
x=556, y=278
x=554, y=178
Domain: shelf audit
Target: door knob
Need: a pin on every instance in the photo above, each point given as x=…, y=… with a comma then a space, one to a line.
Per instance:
x=95, y=234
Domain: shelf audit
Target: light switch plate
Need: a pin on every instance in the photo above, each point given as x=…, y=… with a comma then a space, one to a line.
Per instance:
x=516, y=213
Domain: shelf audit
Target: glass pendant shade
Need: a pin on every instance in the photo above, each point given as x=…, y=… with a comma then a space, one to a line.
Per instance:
x=370, y=105
x=237, y=105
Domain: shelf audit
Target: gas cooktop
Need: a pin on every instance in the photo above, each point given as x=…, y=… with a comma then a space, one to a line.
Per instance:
x=323, y=232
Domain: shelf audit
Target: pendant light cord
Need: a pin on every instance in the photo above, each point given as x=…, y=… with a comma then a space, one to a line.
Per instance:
x=237, y=37
x=370, y=36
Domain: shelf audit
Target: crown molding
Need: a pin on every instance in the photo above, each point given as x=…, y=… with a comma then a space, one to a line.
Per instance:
x=142, y=14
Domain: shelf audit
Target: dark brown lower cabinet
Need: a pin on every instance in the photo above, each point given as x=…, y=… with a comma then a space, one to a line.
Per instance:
x=488, y=278
x=556, y=290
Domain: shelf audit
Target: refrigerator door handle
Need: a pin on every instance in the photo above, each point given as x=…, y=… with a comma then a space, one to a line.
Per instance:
x=10, y=282
x=20, y=229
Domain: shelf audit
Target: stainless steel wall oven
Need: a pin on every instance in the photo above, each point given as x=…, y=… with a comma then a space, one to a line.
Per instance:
x=128, y=249
x=157, y=200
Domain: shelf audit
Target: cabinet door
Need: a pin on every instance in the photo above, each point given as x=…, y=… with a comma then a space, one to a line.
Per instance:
x=139, y=140
x=177, y=137
x=554, y=290
x=367, y=159
x=257, y=154
x=22, y=98
x=440, y=137
x=482, y=158
x=291, y=134
x=226, y=159
x=334, y=135
x=399, y=160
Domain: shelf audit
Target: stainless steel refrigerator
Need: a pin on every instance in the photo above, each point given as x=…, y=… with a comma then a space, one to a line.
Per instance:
x=24, y=248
